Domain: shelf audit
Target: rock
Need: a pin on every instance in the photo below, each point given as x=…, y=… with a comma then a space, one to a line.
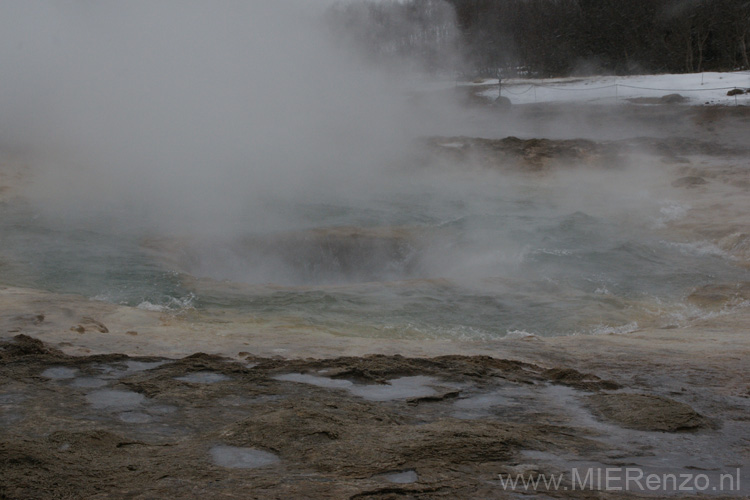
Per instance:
x=646, y=412
x=574, y=378
x=715, y=297
x=689, y=181
x=673, y=99
x=502, y=102
x=534, y=155
x=90, y=324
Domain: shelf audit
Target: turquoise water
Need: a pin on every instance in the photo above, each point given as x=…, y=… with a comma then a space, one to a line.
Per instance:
x=430, y=264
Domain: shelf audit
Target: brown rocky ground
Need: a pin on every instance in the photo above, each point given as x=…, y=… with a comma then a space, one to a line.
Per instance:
x=112, y=426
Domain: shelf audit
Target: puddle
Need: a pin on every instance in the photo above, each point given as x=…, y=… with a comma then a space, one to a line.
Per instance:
x=482, y=401
x=203, y=378
x=126, y=368
x=89, y=382
x=710, y=453
x=241, y=458
x=397, y=388
x=117, y=400
x=59, y=373
x=512, y=398
x=326, y=382
x=12, y=399
x=161, y=409
x=405, y=477
x=135, y=417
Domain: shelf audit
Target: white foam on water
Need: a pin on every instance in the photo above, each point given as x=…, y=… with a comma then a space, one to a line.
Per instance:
x=174, y=304
x=518, y=334
x=700, y=249
x=59, y=373
x=615, y=330
x=234, y=457
x=671, y=212
x=203, y=378
x=148, y=306
x=404, y=477
x=117, y=400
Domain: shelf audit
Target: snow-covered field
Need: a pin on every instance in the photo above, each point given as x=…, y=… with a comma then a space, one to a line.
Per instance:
x=697, y=88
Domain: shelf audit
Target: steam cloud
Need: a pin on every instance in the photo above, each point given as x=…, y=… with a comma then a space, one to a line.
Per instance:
x=186, y=113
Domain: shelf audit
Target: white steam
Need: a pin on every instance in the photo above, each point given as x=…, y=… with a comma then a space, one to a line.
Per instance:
x=186, y=113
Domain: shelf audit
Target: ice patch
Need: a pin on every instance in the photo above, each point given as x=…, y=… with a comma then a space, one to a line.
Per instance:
x=203, y=378
x=59, y=373
x=241, y=458
x=111, y=399
x=405, y=477
x=398, y=388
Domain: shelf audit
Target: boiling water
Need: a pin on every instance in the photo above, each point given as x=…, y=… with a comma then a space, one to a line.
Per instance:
x=431, y=255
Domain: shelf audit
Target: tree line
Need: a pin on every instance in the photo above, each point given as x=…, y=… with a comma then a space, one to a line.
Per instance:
x=545, y=38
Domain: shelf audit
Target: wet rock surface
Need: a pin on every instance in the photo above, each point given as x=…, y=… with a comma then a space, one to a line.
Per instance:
x=541, y=155
x=354, y=427
x=721, y=295
x=647, y=412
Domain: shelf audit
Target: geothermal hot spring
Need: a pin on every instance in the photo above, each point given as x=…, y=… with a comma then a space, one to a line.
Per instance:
x=431, y=254
x=237, y=161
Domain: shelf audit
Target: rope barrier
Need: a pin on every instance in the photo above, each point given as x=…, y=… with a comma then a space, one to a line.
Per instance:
x=531, y=87
x=614, y=85
x=675, y=90
x=587, y=88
